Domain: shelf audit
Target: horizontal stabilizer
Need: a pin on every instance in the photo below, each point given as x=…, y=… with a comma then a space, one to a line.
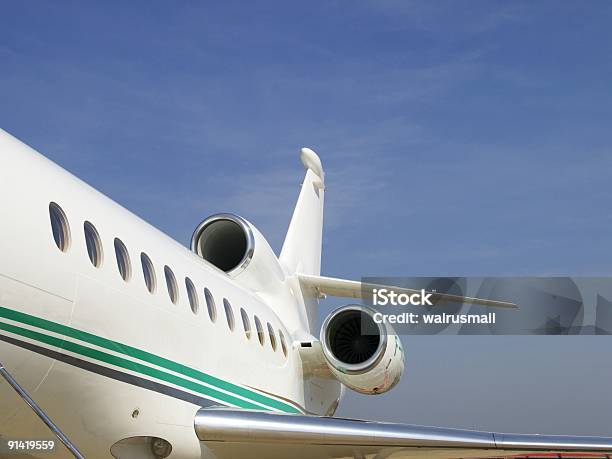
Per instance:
x=355, y=289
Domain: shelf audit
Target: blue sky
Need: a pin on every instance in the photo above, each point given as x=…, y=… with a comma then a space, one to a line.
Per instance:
x=459, y=138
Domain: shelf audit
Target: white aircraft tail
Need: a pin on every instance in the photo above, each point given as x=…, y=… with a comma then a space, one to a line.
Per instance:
x=301, y=252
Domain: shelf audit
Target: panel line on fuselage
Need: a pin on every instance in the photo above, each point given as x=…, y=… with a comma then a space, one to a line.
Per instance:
x=215, y=388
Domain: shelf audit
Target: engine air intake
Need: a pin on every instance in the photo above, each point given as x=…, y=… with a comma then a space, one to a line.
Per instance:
x=346, y=340
x=363, y=355
x=224, y=240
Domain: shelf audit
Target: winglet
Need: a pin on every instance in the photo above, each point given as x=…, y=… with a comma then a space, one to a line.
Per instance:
x=311, y=161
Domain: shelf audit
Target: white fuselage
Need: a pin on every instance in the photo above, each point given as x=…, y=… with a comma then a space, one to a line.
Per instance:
x=105, y=358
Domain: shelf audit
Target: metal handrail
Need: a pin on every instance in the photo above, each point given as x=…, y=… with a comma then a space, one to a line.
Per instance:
x=41, y=414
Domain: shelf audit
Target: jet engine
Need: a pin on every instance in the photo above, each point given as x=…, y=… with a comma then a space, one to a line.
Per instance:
x=235, y=246
x=365, y=356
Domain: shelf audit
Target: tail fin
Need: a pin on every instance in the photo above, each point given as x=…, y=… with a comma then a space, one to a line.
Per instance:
x=301, y=250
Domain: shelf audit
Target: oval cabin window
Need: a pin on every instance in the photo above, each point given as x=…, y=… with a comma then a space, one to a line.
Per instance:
x=123, y=260
x=245, y=323
x=192, y=295
x=94, y=246
x=272, y=336
x=59, y=227
x=171, y=284
x=210, y=305
x=281, y=338
x=260, y=330
x=148, y=272
x=229, y=314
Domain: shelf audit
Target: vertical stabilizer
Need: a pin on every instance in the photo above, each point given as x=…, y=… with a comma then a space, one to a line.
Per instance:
x=301, y=252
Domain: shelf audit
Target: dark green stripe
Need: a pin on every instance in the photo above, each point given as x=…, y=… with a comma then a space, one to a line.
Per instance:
x=144, y=356
x=128, y=365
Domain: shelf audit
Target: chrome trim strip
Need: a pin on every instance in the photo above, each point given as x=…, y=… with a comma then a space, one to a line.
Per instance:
x=357, y=368
x=250, y=250
x=258, y=427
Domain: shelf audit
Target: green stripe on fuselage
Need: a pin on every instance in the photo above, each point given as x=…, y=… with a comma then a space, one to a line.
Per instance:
x=144, y=356
x=128, y=365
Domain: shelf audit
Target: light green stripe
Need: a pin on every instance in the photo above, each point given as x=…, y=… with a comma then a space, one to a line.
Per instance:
x=144, y=356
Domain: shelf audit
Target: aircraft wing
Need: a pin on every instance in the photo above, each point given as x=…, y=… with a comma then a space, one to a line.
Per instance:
x=355, y=289
x=247, y=434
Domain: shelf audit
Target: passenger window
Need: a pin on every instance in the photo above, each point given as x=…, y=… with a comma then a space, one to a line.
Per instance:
x=192, y=295
x=148, y=272
x=94, y=246
x=59, y=227
x=260, y=331
x=171, y=284
x=229, y=314
x=210, y=305
x=272, y=336
x=246, y=323
x=282, y=341
x=123, y=260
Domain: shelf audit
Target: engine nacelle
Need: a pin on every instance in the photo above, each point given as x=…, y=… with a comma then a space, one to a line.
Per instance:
x=236, y=247
x=364, y=356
